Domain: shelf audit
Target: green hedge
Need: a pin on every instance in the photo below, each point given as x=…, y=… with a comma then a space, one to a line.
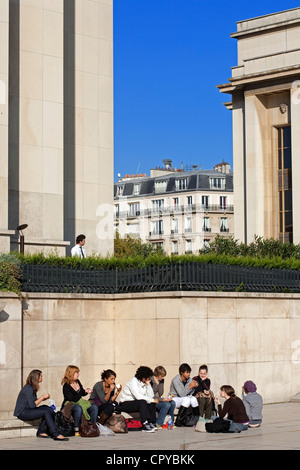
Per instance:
x=114, y=262
x=267, y=253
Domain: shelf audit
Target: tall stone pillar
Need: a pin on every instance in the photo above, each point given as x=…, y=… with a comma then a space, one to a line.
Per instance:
x=295, y=119
x=89, y=123
x=4, y=80
x=36, y=122
x=240, y=223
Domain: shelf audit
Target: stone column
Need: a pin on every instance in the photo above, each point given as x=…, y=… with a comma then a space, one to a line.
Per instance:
x=89, y=123
x=36, y=121
x=254, y=180
x=239, y=167
x=4, y=74
x=295, y=126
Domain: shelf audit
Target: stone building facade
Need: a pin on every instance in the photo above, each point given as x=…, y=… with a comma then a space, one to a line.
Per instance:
x=180, y=210
x=265, y=105
x=56, y=122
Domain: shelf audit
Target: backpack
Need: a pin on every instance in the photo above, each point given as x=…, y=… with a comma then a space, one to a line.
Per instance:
x=186, y=418
x=64, y=425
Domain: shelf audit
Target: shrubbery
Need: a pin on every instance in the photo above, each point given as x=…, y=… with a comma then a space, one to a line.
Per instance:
x=129, y=252
x=10, y=276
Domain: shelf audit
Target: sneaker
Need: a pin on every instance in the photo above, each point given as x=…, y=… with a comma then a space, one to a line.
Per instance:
x=153, y=426
x=147, y=428
x=158, y=426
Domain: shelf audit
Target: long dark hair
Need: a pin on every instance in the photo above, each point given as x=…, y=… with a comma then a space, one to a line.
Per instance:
x=33, y=379
x=229, y=390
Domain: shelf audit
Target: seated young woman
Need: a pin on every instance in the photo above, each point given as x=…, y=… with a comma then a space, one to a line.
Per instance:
x=28, y=409
x=105, y=394
x=73, y=392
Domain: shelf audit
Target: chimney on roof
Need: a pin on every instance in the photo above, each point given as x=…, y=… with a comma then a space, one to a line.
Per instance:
x=168, y=163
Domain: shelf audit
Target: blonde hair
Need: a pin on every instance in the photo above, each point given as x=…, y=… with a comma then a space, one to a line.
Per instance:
x=69, y=374
x=159, y=370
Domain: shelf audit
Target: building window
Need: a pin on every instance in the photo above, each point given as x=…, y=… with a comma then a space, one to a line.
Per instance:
x=223, y=202
x=157, y=228
x=174, y=228
x=206, y=224
x=285, y=185
x=133, y=229
x=188, y=225
x=134, y=209
x=160, y=186
x=188, y=246
x=158, y=204
x=120, y=190
x=117, y=210
x=175, y=202
x=205, y=202
x=175, y=248
x=217, y=183
x=190, y=200
x=224, y=225
x=136, y=189
x=181, y=184
x=206, y=243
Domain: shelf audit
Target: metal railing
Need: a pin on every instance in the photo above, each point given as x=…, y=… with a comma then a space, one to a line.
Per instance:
x=169, y=210
x=186, y=276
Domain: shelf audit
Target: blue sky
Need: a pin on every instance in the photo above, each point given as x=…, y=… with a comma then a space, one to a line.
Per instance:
x=169, y=56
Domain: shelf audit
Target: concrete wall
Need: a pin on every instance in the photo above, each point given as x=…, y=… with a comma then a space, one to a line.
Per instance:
x=240, y=337
x=56, y=123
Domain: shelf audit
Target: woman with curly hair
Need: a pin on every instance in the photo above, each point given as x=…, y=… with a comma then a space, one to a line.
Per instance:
x=28, y=409
x=105, y=394
x=138, y=396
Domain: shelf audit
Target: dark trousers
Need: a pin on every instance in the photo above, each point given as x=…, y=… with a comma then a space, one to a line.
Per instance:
x=146, y=410
x=109, y=408
x=47, y=424
x=206, y=406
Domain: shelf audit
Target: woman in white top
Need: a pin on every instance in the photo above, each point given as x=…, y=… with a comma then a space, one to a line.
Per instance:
x=137, y=395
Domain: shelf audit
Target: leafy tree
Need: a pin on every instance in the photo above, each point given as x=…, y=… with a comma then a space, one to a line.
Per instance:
x=133, y=247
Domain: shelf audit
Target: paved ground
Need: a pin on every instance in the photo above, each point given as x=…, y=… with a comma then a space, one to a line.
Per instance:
x=280, y=431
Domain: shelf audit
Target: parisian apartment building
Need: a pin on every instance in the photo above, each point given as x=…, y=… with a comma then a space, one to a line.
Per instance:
x=180, y=209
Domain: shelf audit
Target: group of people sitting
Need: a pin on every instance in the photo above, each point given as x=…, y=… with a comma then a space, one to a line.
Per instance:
x=144, y=393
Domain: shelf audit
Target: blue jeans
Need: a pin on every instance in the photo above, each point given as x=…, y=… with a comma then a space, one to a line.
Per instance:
x=165, y=408
x=77, y=414
x=237, y=427
x=234, y=427
x=47, y=424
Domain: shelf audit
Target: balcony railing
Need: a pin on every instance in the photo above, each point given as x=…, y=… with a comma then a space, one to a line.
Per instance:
x=169, y=210
x=186, y=276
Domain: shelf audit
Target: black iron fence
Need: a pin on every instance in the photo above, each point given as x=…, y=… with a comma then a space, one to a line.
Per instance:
x=172, y=277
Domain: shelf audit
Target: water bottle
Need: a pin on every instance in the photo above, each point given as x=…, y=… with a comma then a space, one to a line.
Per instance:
x=52, y=404
x=170, y=423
